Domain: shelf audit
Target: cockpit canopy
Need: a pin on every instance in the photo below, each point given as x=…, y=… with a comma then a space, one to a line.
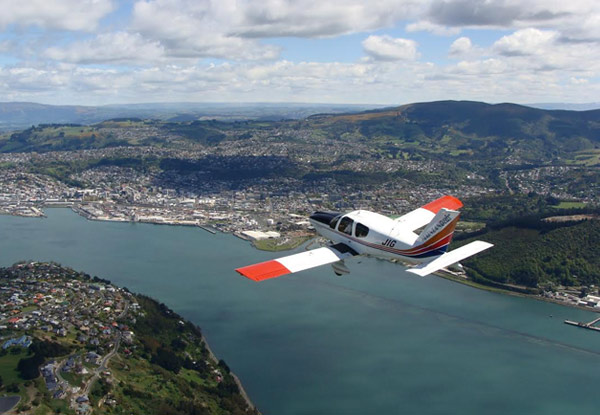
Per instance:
x=349, y=226
x=341, y=223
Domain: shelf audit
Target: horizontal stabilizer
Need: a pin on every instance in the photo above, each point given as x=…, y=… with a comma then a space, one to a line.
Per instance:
x=297, y=262
x=450, y=258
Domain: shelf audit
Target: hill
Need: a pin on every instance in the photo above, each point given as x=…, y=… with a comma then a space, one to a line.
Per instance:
x=467, y=135
x=115, y=352
x=470, y=130
x=534, y=251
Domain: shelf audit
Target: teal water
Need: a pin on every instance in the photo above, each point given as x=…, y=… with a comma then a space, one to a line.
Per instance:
x=377, y=341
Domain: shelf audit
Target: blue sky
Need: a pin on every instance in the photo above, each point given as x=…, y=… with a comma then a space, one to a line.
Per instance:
x=388, y=52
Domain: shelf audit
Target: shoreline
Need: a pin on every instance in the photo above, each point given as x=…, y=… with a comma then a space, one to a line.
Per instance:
x=497, y=290
x=209, y=228
x=68, y=275
x=237, y=380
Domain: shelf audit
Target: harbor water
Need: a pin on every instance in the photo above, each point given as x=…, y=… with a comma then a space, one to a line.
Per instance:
x=376, y=341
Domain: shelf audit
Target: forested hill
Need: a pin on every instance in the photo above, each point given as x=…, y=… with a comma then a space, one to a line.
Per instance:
x=534, y=252
x=474, y=128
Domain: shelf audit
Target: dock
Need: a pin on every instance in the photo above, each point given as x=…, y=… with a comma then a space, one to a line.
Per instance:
x=208, y=228
x=589, y=326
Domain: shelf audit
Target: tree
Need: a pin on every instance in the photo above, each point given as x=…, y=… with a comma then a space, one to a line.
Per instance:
x=167, y=359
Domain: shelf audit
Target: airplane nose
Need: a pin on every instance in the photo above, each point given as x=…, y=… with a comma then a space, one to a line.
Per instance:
x=324, y=217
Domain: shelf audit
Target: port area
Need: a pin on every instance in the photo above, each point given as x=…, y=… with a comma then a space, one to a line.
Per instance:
x=589, y=326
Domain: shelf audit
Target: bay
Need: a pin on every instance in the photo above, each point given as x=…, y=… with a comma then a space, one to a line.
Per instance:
x=376, y=341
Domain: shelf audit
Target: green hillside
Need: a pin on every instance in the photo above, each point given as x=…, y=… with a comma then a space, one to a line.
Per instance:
x=471, y=130
x=533, y=252
x=60, y=137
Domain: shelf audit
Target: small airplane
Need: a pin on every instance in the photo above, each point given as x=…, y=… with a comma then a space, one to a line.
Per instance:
x=368, y=233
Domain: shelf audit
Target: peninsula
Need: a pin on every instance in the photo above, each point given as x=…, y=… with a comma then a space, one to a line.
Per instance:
x=72, y=344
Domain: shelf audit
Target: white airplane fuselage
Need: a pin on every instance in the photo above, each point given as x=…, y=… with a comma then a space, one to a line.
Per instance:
x=384, y=237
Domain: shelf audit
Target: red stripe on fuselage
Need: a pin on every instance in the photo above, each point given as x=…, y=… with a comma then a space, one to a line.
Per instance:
x=424, y=249
x=447, y=231
x=401, y=252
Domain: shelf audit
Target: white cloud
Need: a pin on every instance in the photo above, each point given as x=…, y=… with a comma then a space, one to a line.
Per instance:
x=491, y=80
x=426, y=26
x=461, y=47
x=579, y=81
x=317, y=18
x=526, y=42
x=154, y=54
x=483, y=67
x=73, y=15
x=193, y=29
x=574, y=19
x=109, y=48
x=387, y=48
x=532, y=50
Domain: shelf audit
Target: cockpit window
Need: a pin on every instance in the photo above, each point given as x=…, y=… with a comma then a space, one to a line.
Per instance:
x=346, y=225
x=361, y=230
x=334, y=222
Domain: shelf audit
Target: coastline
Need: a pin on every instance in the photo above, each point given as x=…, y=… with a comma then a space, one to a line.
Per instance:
x=237, y=380
x=124, y=332
x=209, y=228
x=473, y=284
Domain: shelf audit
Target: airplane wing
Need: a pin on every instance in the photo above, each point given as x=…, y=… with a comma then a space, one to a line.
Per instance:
x=297, y=262
x=423, y=215
x=450, y=258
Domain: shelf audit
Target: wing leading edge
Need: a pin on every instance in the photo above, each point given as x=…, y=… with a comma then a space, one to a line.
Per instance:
x=297, y=262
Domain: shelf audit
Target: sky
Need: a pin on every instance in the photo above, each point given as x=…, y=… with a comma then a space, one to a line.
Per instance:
x=387, y=52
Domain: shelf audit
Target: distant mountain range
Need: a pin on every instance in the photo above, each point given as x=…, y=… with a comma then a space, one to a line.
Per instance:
x=442, y=130
x=20, y=115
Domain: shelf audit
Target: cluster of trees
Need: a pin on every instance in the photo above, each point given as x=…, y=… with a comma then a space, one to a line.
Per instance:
x=502, y=207
x=487, y=131
x=203, y=132
x=28, y=367
x=532, y=253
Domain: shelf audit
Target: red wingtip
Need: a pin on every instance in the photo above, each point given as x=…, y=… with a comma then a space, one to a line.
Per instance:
x=263, y=271
x=448, y=202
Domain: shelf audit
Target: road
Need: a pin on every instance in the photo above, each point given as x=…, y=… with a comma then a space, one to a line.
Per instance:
x=105, y=360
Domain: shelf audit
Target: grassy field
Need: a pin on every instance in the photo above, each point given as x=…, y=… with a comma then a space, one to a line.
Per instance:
x=8, y=367
x=280, y=244
x=72, y=378
x=136, y=374
x=586, y=158
x=468, y=226
x=570, y=205
x=56, y=406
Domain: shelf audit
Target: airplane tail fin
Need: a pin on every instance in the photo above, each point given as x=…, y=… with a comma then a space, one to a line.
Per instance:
x=437, y=234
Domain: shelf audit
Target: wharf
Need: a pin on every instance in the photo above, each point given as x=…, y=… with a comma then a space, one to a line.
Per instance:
x=241, y=236
x=589, y=326
x=208, y=228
